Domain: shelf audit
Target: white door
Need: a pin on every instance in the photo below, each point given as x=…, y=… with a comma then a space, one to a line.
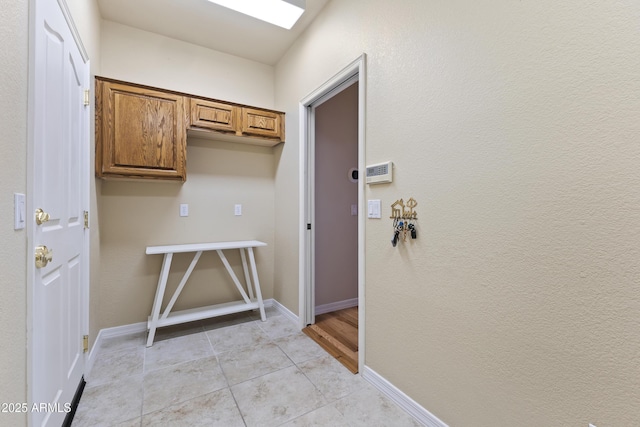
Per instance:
x=59, y=187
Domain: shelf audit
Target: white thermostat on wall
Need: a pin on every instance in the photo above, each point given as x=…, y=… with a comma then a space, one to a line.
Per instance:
x=380, y=173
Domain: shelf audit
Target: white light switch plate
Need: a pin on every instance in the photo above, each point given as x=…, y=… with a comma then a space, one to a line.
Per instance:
x=373, y=209
x=184, y=209
x=20, y=211
x=237, y=210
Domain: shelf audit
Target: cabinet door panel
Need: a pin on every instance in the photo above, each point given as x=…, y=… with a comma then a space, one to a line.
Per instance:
x=140, y=132
x=261, y=123
x=213, y=115
x=144, y=131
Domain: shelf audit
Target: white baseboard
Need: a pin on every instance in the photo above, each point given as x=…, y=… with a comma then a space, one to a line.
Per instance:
x=282, y=309
x=334, y=306
x=405, y=402
x=117, y=331
x=123, y=330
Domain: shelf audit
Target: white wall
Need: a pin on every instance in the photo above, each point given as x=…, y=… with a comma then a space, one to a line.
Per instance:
x=514, y=125
x=336, y=230
x=134, y=215
x=14, y=25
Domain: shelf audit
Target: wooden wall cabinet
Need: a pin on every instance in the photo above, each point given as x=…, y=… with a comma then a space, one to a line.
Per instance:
x=215, y=116
x=237, y=120
x=140, y=132
x=236, y=123
x=262, y=123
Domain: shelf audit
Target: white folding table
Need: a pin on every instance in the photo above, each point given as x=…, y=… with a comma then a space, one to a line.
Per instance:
x=248, y=302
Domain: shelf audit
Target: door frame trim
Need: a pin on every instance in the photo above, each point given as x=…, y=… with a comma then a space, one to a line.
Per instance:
x=74, y=30
x=355, y=70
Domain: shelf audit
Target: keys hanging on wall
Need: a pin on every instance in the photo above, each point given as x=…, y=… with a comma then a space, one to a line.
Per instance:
x=394, y=240
x=412, y=228
x=403, y=215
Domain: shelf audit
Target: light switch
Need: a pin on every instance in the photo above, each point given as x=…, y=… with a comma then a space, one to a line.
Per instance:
x=184, y=209
x=237, y=210
x=373, y=208
x=20, y=211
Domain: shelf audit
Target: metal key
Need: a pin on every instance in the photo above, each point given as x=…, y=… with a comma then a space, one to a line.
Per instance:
x=414, y=233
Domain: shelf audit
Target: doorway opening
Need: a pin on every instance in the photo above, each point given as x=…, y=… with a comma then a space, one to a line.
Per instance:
x=332, y=215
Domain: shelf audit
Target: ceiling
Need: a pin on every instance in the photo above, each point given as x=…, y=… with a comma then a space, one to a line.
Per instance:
x=206, y=24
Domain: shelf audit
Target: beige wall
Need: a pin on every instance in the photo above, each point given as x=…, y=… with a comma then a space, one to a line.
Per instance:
x=134, y=215
x=514, y=125
x=336, y=230
x=14, y=25
x=139, y=214
x=146, y=58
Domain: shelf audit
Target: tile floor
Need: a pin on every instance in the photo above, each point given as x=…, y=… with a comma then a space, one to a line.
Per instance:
x=227, y=372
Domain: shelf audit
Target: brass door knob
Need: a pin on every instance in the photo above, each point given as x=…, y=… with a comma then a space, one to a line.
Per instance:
x=43, y=256
x=41, y=216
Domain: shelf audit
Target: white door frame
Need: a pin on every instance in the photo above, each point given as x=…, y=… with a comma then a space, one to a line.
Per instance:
x=356, y=70
x=85, y=158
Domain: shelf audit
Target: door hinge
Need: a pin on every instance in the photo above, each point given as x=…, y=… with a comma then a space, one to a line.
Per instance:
x=86, y=219
x=86, y=97
x=85, y=343
x=308, y=226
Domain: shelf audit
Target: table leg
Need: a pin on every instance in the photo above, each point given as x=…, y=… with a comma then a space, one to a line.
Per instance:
x=186, y=276
x=233, y=276
x=256, y=282
x=157, y=302
x=247, y=278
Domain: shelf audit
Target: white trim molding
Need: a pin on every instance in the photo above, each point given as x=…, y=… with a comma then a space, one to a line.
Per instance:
x=74, y=30
x=118, y=331
x=409, y=405
x=356, y=70
x=282, y=309
x=335, y=306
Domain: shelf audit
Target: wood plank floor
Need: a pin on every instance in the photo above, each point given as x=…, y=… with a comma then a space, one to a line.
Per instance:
x=337, y=333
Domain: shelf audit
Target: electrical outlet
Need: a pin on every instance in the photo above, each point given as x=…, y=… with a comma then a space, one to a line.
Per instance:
x=184, y=209
x=237, y=210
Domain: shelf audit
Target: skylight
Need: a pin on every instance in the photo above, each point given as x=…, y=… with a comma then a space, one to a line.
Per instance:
x=283, y=13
